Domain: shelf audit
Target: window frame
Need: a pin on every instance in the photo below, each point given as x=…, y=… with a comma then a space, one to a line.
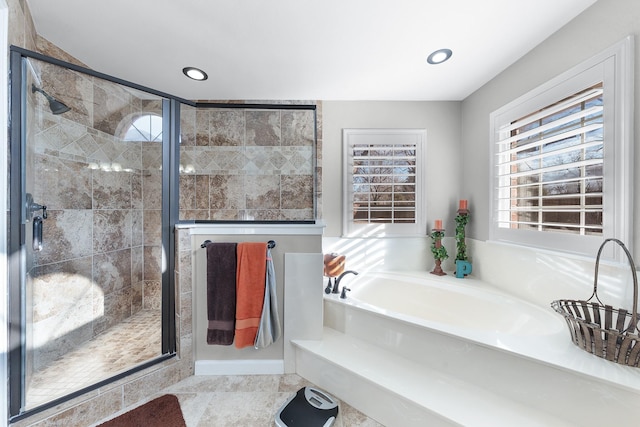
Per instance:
x=152, y=117
x=614, y=67
x=384, y=137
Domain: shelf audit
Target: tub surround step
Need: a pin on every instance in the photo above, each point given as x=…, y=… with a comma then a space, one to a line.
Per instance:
x=568, y=391
x=353, y=369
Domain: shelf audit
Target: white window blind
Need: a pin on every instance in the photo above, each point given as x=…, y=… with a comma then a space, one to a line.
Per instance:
x=550, y=167
x=561, y=159
x=383, y=181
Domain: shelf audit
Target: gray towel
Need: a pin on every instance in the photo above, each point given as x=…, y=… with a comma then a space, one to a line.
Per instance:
x=269, y=327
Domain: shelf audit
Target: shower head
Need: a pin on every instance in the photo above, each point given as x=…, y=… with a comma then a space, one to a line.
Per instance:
x=57, y=107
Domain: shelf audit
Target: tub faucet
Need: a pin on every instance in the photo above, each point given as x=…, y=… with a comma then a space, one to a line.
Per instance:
x=336, y=284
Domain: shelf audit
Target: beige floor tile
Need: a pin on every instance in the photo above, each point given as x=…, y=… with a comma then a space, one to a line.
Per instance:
x=247, y=401
x=131, y=342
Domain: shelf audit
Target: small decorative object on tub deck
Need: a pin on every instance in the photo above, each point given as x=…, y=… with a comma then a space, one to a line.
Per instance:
x=437, y=248
x=333, y=267
x=463, y=266
x=600, y=329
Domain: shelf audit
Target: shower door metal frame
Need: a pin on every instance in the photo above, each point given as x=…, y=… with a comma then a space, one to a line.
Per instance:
x=17, y=228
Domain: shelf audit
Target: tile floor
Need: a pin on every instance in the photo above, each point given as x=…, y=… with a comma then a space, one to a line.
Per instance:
x=245, y=401
x=133, y=341
x=206, y=401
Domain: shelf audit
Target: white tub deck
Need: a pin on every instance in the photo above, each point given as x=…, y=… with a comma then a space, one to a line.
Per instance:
x=407, y=370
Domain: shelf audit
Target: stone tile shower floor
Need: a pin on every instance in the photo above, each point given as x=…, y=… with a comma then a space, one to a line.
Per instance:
x=127, y=344
x=244, y=401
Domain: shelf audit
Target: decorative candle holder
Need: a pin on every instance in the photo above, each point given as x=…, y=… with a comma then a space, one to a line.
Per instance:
x=463, y=266
x=438, y=250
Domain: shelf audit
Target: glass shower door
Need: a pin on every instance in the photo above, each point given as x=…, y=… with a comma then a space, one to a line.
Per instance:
x=91, y=195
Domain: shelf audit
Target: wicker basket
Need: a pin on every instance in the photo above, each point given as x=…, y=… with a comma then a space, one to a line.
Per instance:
x=600, y=329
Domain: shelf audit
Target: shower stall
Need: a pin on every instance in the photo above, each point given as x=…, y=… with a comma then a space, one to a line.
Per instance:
x=90, y=230
x=101, y=171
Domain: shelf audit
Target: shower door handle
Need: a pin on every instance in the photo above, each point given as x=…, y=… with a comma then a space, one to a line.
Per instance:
x=33, y=207
x=37, y=233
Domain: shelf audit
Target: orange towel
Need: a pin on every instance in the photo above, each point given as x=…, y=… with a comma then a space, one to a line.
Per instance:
x=250, y=282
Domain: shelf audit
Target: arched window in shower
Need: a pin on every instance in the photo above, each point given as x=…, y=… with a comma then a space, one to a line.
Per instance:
x=147, y=127
x=91, y=289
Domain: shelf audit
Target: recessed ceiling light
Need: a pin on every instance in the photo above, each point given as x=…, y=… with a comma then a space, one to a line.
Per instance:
x=195, y=73
x=439, y=56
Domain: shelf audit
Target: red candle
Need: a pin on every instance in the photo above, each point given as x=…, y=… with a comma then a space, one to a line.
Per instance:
x=463, y=204
x=438, y=225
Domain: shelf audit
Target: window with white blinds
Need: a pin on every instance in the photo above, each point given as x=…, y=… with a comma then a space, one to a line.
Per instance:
x=383, y=172
x=562, y=159
x=550, y=167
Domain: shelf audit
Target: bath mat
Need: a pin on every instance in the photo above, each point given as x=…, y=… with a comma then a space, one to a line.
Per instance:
x=163, y=411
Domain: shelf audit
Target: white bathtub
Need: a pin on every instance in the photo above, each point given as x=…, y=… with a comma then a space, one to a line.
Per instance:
x=450, y=304
x=450, y=332
x=464, y=309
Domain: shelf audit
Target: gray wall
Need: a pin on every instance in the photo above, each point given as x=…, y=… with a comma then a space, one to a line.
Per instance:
x=442, y=122
x=600, y=26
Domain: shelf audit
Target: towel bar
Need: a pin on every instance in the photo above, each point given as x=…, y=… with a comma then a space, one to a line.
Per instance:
x=270, y=244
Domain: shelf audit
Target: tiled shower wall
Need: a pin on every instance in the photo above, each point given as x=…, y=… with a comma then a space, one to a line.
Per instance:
x=248, y=164
x=100, y=261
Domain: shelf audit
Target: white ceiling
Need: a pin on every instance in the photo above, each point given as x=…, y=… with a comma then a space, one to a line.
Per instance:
x=302, y=49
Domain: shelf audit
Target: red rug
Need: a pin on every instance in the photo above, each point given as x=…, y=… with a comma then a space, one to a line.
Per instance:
x=163, y=411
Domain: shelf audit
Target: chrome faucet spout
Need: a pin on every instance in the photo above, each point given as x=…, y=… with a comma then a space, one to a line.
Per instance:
x=336, y=284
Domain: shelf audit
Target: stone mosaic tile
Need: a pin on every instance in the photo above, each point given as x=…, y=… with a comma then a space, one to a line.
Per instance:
x=152, y=189
x=202, y=214
x=298, y=128
x=152, y=225
x=111, y=229
x=136, y=191
x=152, y=156
x=296, y=214
x=263, y=192
x=297, y=192
x=187, y=126
x=227, y=192
x=137, y=227
x=225, y=215
x=202, y=194
x=112, y=108
x=226, y=127
x=187, y=185
x=246, y=142
x=64, y=235
x=152, y=295
x=62, y=184
x=262, y=215
x=263, y=127
x=202, y=127
x=115, y=308
x=111, y=190
x=128, y=343
x=112, y=270
x=152, y=262
x=137, y=264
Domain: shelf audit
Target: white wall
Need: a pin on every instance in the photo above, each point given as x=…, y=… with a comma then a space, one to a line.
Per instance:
x=440, y=119
x=442, y=122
